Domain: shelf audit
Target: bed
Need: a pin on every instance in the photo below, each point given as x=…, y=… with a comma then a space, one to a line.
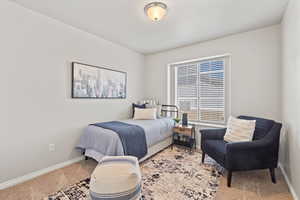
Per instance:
x=97, y=142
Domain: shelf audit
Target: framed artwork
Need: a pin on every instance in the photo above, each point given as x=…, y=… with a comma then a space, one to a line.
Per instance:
x=92, y=82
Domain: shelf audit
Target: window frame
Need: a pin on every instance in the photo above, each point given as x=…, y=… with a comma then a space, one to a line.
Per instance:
x=172, y=86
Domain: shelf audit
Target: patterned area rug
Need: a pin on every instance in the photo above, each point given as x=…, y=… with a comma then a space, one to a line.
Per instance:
x=171, y=174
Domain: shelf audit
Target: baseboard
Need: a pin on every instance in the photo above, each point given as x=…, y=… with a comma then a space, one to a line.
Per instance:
x=288, y=182
x=35, y=174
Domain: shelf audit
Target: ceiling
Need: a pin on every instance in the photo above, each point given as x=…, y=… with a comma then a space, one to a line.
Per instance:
x=187, y=21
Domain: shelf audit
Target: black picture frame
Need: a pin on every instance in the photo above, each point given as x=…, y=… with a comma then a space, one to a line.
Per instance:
x=74, y=96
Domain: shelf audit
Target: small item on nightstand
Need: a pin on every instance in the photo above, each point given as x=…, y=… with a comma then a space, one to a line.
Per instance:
x=185, y=119
x=185, y=107
x=176, y=120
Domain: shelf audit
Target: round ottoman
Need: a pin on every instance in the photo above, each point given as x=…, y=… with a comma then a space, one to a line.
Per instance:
x=116, y=178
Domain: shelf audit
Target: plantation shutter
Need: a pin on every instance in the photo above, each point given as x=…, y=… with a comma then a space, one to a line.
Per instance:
x=187, y=90
x=200, y=90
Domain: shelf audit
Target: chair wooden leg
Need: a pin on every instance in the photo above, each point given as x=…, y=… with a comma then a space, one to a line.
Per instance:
x=272, y=173
x=85, y=157
x=229, y=176
x=203, y=156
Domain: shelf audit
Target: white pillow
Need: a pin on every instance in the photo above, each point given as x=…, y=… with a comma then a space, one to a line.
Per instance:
x=158, y=109
x=144, y=113
x=239, y=130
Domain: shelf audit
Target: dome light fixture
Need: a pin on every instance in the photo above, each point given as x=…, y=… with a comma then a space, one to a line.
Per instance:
x=156, y=10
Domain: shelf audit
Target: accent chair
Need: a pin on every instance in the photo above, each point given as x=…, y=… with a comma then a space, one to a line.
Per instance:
x=261, y=153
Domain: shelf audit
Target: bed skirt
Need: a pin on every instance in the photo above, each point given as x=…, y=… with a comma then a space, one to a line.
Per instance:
x=151, y=150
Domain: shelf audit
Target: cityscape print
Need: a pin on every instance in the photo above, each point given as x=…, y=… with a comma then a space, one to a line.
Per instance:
x=97, y=82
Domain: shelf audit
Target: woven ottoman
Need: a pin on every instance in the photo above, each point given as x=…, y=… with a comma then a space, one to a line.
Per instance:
x=116, y=178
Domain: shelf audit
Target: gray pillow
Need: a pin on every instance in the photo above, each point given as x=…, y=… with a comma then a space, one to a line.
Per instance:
x=158, y=109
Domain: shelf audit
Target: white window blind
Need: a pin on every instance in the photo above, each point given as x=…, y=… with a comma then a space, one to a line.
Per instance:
x=200, y=90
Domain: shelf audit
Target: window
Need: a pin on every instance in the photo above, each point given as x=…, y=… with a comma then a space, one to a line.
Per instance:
x=199, y=90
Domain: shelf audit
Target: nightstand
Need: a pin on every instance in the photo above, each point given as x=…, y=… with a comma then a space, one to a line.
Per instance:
x=184, y=136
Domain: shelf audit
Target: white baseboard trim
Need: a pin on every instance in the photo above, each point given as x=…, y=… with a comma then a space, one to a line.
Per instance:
x=288, y=182
x=35, y=174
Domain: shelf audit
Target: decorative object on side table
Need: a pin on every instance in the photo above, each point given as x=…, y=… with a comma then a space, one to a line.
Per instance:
x=176, y=120
x=184, y=136
x=185, y=107
x=185, y=119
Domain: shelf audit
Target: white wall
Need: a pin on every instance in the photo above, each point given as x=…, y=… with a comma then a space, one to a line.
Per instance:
x=35, y=83
x=291, y=93
x=255, y=70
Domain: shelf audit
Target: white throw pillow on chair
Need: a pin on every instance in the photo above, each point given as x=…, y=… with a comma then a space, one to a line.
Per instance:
x=239, y=130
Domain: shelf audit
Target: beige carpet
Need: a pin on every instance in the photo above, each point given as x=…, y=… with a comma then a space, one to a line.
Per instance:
x=172, y=174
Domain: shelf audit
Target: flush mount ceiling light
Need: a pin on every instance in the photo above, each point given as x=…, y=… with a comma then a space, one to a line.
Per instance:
x=156, y=10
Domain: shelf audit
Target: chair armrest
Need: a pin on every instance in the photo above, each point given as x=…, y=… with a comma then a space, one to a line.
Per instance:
x=258, y=154
x=212, y=134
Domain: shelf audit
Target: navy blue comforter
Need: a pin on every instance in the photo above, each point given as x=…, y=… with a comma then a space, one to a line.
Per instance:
x=132, y=137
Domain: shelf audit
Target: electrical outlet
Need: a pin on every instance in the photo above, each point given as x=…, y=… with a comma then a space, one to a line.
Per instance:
x=51, y=147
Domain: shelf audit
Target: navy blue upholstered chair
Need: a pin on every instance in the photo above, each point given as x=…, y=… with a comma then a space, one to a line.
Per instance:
x=261, y=153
